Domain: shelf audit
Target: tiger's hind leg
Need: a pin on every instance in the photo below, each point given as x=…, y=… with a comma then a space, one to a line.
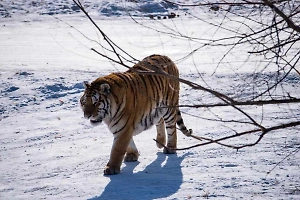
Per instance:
x=161, y=133
x=132, y=153
x=170, y=121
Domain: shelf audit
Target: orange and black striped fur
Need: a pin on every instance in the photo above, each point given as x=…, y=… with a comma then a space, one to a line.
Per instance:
x=130, y=103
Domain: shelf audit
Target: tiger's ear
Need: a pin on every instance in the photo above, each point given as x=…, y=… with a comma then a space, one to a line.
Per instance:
x=86, y=84
x=105, y=88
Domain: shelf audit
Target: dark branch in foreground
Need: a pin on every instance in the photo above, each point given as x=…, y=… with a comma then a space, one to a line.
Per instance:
x=246, y=103
x=237, y=147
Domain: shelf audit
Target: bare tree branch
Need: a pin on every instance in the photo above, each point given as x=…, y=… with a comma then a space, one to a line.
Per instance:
x=113, y=46
x=237, y=147
x=269, y=40
x=246, y=103
x=281, y=14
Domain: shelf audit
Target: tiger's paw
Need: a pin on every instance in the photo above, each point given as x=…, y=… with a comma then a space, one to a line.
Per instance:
x=169, y=150
x=111, y=170
x=131, y=157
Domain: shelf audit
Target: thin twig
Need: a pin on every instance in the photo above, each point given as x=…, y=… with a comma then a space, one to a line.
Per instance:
x=237, y=147
x=113, y=45
x=245, y=103
x=288, y=155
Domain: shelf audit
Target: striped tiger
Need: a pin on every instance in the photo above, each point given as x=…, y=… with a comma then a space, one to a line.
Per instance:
x=132, y=102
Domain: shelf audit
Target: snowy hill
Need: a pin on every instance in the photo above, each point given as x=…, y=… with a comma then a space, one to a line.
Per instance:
x=107, y=8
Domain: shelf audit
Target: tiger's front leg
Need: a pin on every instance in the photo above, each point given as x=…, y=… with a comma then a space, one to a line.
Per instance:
x=121, y=142
x=132, y=153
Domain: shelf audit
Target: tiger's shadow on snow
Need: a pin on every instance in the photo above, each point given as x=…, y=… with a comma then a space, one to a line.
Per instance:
x=160, y=179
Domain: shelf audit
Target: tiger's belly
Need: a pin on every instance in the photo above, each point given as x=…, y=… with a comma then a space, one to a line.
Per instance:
x=147, y=121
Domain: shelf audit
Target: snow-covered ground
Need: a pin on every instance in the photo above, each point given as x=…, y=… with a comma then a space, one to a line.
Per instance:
x=49, y=151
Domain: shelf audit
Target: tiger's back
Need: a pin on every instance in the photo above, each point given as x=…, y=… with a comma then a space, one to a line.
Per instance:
x=131, y=102
x=154, y=95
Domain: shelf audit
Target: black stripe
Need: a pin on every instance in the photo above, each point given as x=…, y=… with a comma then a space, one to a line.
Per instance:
x=170, y=127
x=172, y=119
x=178, y=112
x=118, y=109
x=129, y=82
x=125, y=78
x=180, y=121
x=119, y=118
x=122, y=127
x=121, y=76
x=145, y=84
x=168, y=115
x=172, y=133
x=183, y=128
x=167, y=97
x=146, y=122
x=113, y=81
x=153, y=87
x=159, y=82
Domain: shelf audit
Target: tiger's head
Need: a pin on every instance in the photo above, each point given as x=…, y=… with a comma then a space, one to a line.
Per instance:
x=94, y=102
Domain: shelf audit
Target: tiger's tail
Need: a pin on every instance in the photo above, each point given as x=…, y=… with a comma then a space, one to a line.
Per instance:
x=182, y=127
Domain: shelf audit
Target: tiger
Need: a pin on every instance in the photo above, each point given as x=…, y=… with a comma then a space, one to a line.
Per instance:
x=130, y=102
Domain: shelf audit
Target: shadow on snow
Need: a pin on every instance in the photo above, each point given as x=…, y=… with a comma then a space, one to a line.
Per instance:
x=162, y=178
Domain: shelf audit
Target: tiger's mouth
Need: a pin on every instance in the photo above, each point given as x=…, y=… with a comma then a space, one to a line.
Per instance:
x=95, y=121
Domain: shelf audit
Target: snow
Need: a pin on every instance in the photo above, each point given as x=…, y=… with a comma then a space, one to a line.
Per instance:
x=49, y=151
